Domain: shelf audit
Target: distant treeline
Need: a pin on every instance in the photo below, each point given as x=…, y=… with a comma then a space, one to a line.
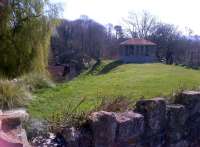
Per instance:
x=84, y=39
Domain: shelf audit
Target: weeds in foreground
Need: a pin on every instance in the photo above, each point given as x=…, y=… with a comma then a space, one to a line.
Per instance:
x=176, y=95
x=12, y=95
x=70, y=116
x=34, y=81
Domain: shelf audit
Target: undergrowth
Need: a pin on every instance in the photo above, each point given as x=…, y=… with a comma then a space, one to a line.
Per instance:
x=35, y=81
x=71, y=117
x=13, y=95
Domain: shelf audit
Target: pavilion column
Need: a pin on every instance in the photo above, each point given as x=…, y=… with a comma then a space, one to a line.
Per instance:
x=147, y=51
x=139, y=50
x=124, y=51
x=143, y=50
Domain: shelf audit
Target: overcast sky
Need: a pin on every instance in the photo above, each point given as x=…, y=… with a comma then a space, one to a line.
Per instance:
x=183, y=13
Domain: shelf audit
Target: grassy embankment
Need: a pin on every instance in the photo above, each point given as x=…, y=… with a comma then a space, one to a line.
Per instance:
x=110, y=80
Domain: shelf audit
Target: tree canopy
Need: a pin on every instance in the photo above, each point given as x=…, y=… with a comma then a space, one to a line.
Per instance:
x=25, y=30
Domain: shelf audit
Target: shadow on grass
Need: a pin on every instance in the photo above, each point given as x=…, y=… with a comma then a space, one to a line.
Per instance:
x=94, y=67
x=107, y=68
x=101, y=68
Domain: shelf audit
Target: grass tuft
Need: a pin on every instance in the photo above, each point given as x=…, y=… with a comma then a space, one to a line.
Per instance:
x=34, y=81
x=12, y=95
x=70, y=116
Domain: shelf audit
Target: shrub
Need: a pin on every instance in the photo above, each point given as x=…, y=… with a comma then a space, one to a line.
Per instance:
x=71, y=117
x=12, y=95
x=34, y=81
x=67, y=117
x=118, y=104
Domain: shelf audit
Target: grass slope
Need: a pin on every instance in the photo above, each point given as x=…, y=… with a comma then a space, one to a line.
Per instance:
x=130, y=80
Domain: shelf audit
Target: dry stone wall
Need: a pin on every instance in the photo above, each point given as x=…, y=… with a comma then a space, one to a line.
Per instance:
x=11, y=132
x=153, y=123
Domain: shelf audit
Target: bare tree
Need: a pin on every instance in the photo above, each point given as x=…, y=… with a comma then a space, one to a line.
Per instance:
x=118, y=32
x=140, y=25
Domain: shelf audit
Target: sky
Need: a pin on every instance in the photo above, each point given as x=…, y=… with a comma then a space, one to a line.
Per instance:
x=182, y=13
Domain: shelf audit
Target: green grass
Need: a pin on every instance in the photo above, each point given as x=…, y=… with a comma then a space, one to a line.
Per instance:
x=130, y=80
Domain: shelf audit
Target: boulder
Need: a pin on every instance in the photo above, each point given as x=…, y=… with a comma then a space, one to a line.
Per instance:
x=154, y=112
x=176, y=119
x=35, y=128
x=86, y=137
x=11, y=132
x=103, y=126
x=130, y=126
x=71, y=136
x=191, y=101
x=182, y=143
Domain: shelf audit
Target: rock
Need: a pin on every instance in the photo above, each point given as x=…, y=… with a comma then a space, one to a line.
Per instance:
x=154, y=112
x=71, y=136
x=86, y=137
x=12, y=119
x=60, y=141
x=130, y=126
x=35, y=127
x=9, y=124
x=11, y=132
x=191, y=101
x=46, y=141
x=176, y=116
x=176, y=119
x=103, y=126
x=4, y=143
x=182, y=143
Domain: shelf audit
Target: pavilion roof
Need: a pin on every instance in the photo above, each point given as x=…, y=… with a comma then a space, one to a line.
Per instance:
x=137, y=41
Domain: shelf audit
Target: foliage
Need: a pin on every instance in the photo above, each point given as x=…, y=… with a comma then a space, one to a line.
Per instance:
x=67, y=117
x=167, y=37
x=97, y=67
x=129, y=80
x=118, y=104
x=70, y=116
x=12, y=95
x=79, y=41
x=25, y=29
x=35, y=81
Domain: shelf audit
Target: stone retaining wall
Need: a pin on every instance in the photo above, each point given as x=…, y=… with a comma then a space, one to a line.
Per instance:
x=11, y=132
x=153, y=123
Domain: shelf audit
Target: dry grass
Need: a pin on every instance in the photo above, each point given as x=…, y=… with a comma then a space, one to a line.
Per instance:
x=34, y=81
x=71, y=117
x=12, y=95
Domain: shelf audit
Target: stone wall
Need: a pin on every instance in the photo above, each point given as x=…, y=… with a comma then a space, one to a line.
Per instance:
x=11, y=132
x=153, y=123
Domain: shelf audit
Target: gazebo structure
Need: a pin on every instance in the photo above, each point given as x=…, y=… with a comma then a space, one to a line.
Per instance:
x=138, y=51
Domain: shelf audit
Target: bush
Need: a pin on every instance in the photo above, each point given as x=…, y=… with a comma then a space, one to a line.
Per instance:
x=67, y=117
x=12, y=95
x=70, y=116
x=118, y=104
x=36, y=81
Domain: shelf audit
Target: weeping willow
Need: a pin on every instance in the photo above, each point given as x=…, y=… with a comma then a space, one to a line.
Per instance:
x=25, y=31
